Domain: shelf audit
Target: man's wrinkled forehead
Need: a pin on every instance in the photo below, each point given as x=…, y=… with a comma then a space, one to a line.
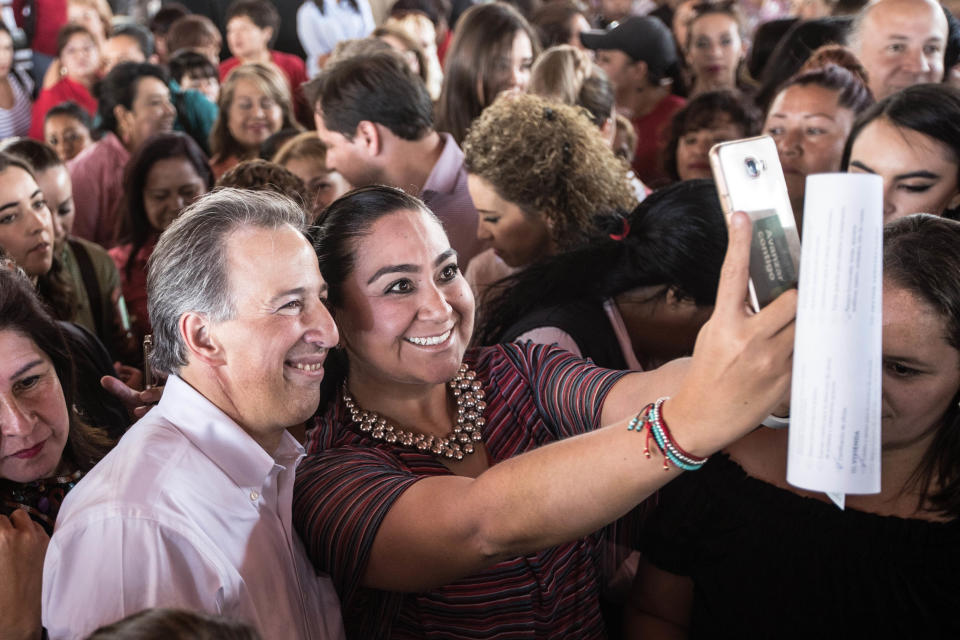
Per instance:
x=877, y=13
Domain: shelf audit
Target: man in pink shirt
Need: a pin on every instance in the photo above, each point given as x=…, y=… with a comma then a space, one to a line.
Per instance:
x=192, y=509
x=376, y=119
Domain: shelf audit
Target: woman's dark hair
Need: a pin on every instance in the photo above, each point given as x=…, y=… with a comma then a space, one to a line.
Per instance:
x=69, y=30
x=270, y=146
x=175, y=624
x=765, y=39
x=470, y=82
x=161, y=146
x=119, y=88
x=930, y=109
x=75, y=111
x=191, y=64
x=52, y=287
x=22, y=311
x=39, y=155
x=335, y=237
x=139, y=34
x=552, y=21
x=795, y=48
x=834, y=68
x=921, y=253
x=677, y=238
x=704, y=111
x=13, y=69
x=951, y=53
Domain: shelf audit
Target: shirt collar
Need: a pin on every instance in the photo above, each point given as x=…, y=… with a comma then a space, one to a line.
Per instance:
x=221, y=439
x=443, y=177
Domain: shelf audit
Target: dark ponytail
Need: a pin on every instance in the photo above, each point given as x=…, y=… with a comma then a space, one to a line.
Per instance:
x=676, y=238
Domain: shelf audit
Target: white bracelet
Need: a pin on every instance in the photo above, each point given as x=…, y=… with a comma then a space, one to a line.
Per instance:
x=775, y=422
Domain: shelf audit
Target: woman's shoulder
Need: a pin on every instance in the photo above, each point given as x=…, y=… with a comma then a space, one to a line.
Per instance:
x=724, y=496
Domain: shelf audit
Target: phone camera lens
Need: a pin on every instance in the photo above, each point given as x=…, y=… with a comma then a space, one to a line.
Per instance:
x=754, y=167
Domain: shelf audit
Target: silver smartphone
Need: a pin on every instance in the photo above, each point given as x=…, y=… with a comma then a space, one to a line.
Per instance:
x=749, y=178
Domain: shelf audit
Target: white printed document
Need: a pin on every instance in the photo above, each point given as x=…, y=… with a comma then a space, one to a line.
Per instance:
x=834, y=438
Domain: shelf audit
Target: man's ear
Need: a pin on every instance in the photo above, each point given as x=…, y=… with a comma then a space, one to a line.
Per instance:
x=640, y=71
x=195, y=328
x=120, y=113
x=368, y=136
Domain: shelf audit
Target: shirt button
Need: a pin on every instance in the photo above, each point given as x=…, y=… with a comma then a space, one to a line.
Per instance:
x=254, y=496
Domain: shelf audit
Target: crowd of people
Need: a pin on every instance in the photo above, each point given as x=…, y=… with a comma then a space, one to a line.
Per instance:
x=358, y=319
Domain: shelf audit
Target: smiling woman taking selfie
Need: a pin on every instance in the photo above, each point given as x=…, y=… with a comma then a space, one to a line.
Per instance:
x=432, y=494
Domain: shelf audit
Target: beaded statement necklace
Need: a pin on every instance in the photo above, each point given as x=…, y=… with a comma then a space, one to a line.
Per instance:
x=40, y=498
x=468, y=429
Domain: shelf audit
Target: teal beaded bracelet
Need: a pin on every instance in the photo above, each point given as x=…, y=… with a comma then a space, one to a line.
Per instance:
x=650, y=417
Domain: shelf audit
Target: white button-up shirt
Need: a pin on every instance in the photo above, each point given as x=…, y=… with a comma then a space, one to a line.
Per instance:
x=187, y=511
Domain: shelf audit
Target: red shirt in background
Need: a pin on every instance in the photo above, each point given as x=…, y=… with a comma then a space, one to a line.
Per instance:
x=292, y=66
x=50, y=16
x=652, y=139
x=65, y=89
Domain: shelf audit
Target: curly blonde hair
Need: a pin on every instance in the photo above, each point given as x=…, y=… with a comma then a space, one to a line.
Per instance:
x=549, y=159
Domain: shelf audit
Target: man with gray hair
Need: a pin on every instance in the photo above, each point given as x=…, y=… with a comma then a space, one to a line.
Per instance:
x=900, y=43
x=192, y=508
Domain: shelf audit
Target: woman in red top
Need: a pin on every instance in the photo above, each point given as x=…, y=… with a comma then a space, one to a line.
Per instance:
x=252, y=26
x=79, y=58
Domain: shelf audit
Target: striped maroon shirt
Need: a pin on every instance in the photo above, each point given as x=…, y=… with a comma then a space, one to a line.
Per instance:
x=535, y=394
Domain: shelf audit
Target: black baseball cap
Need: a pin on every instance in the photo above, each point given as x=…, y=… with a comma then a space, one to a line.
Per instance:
x=640, y=37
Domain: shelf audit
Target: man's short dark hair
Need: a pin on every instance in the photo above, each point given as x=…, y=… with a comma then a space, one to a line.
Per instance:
x=261, y=13
x=140, y=34
x=379, y=87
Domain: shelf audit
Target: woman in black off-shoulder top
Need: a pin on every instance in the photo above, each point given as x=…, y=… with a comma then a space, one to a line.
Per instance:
x=733, y=551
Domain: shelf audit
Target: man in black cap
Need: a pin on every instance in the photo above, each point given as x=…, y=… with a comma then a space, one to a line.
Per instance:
x=640, y=57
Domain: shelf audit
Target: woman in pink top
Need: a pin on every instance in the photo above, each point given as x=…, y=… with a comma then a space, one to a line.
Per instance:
x=167, y=174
